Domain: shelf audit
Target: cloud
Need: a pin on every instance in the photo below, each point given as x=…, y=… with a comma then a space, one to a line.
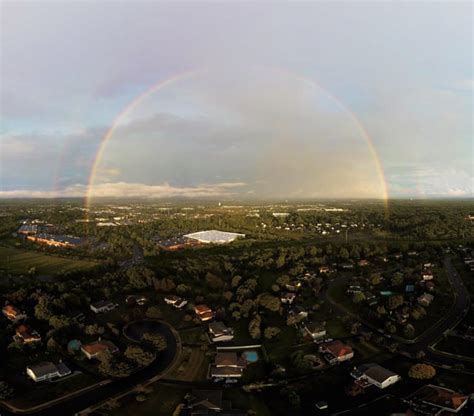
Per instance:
x=130, y=190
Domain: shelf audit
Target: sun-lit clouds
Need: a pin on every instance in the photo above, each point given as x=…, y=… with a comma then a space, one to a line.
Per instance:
x=133, y=190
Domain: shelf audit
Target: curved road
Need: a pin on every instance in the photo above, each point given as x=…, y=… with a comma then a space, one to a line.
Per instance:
x=456, y=313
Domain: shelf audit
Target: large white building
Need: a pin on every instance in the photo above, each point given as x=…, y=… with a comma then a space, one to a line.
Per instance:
x=213, y=237
x=376, y=375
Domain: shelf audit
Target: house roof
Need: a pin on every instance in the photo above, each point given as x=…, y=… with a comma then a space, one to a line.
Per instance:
x=228, y=359
x=101, y=304
x=376, y=372
x=338, y=349
x=26, y=332
x=210, y=399
x=201, y=309
x=11, y=310
x=99, y=346
x=43, y=368
x=218, y=328
x=440, y=397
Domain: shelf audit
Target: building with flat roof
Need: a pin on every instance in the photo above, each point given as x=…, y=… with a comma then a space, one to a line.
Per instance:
x=213, y=237
x=56, y=240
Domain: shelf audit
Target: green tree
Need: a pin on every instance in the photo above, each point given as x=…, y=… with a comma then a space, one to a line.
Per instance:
x=422, y=371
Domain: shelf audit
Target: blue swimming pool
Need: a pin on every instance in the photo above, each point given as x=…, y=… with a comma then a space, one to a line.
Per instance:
x=250, y=356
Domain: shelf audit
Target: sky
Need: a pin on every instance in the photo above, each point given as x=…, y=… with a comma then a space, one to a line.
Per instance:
x=243, y=99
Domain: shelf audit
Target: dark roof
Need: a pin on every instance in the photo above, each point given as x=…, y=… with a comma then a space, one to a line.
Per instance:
x=43, y=368
x=376, y=372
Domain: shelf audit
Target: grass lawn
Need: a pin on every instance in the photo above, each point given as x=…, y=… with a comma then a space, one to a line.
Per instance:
x=193, y=365
x=19, y=261
x=44, y=392
x=247, y=401
x=456, y=345
x=161, y=401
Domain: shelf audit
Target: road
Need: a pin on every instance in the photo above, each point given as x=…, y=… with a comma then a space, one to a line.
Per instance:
x=455, y=314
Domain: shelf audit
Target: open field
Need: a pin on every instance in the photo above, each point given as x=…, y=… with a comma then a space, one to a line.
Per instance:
x=19, y=261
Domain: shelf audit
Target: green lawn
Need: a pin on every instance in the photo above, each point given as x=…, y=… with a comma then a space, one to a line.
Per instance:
x=161, y=401
x=19, y=261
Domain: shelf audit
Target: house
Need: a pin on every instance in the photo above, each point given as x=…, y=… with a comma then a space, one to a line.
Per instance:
x=347, y=266
x=218, y=332
x=102, y=306
x=287, y=298
x=427, y=275
x=376, y=375
x=175, y=301
x=436, y=400
x=47, y=371
x=227, y=365
x=428, y=265
x=315, y=330
x=293, y=287
x=336, y=352
x=93, y=349
x=363, y=263
x=13, y=313
x=204, y=312
x=425, y=299
x=136, y=300
x=26, y=334
x=324, y=269
x=209, y=402
x=353, y=289
x=430, y=286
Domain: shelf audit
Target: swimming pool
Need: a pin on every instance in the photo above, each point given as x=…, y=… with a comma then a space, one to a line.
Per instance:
x=250, y=356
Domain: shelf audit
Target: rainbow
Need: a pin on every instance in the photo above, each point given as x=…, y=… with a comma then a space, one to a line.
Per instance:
x=190, y=73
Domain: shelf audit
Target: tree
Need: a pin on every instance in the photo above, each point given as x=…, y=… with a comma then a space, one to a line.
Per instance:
x=271, y=332
x=153, y=312
x=157, y=340
x=254, y=327
x=138, y=355
x=422, y=371
x=409, y=331
x=358, y=297
x=6, y=391
x=394, y=302
x=269, y=302
x=397, y=279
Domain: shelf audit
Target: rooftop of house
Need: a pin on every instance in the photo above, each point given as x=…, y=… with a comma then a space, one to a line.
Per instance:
x=26, y=332
x=376, y=372
x=338, y=348
x=204, y=400
x=439, y=396
x=218, y=328
x=229, y=359
x=11, y=310
x=99, y=346
x=202, y=309
x=101, y=304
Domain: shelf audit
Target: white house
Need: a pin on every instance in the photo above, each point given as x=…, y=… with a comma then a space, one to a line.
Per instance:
x=376, y=375
x=102, y=306
x=47, y=370
x=175, y=301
